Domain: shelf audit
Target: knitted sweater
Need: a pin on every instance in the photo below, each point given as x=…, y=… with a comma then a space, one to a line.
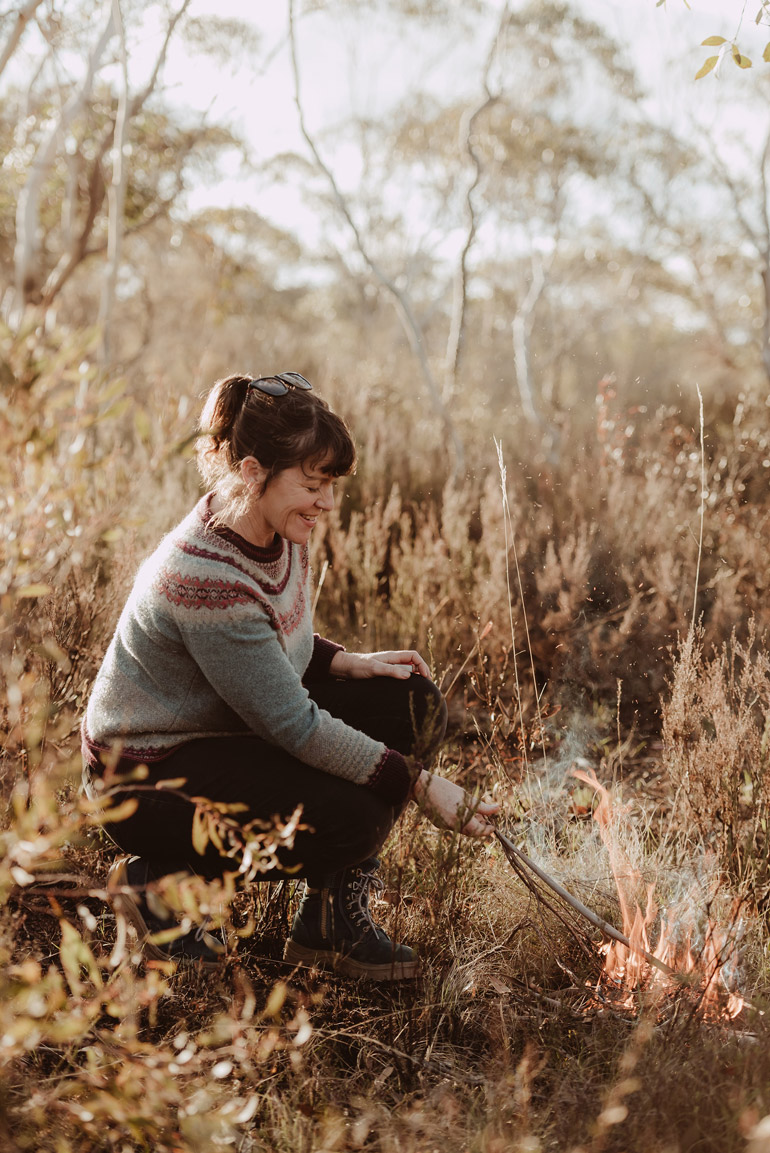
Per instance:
x=215, y=640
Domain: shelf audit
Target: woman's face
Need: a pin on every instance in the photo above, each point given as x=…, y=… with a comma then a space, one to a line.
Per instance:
x=291, y=504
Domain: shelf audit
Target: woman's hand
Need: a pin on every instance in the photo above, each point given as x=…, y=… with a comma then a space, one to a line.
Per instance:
x=360, y=666
x=449, y=807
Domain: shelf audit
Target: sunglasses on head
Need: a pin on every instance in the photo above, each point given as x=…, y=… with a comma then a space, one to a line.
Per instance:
x=280, y=384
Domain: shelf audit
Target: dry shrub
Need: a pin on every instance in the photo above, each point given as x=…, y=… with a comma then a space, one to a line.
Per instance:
x=716, y=729
x=484, y=1053
x=603, y=549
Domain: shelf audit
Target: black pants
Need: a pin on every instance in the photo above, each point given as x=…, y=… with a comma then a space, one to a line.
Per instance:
x=347, y=822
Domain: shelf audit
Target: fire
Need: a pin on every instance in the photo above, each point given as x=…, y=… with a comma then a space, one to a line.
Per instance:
x=631, y=967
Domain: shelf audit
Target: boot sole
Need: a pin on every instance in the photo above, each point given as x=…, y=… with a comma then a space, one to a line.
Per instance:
x=327, y=959
x=124, y=904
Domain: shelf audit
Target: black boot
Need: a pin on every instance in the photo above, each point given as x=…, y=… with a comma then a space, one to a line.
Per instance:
x=334, y=928
x=153, y=921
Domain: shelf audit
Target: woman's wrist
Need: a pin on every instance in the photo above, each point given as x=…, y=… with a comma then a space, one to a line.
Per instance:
x=420, y=785
x=337, y=665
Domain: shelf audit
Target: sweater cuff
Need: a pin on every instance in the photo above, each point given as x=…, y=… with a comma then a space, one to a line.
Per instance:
x=393, y=778
x=323, y=655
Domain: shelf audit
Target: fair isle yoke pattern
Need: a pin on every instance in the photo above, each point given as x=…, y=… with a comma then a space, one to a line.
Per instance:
x=214, y=640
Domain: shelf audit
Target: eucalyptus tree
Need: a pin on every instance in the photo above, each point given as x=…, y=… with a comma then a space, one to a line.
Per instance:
x=92, y=153
x=452, y=173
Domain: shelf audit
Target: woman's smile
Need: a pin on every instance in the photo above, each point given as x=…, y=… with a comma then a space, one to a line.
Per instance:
x=291, y=504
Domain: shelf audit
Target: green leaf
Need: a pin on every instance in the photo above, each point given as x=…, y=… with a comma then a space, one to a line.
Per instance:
x=708, y=66
x=741, y=61
x=766, y=53
x=713, y=41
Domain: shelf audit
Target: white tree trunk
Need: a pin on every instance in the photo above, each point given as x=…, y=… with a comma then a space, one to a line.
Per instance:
x=456, y=333
x=28, y=206
x=403, y=306
x=116, y=194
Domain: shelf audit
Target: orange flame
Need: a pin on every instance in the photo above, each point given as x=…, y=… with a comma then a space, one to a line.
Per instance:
x=628, y=968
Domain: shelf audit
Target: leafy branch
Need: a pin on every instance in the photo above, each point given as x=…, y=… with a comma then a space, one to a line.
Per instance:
x=730, y=47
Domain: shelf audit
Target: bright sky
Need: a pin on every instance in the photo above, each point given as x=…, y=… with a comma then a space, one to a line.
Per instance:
x=349, y=71
x=354, y=67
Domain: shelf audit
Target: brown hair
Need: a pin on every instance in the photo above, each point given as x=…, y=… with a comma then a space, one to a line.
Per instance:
x=279, y=431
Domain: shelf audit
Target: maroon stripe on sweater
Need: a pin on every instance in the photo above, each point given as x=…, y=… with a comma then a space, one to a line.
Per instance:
x=392, y=779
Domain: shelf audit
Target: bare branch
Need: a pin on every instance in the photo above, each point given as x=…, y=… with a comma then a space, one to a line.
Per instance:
x=521, y=327
x=460, y=284
x=78, y=249
x=115, y=137
x=141, y=97
x=117, y=192
x=28, y=207
x=403, y=307
x=23, y=17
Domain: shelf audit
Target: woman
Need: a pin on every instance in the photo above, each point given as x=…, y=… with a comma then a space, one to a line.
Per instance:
x=214, y=675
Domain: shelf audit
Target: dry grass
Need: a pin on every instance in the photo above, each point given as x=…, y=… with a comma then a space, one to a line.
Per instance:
x=501, y=1044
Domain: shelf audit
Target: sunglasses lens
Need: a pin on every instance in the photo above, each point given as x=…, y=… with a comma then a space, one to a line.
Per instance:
x=295, y=379
x=270, y=385
x=279, y=384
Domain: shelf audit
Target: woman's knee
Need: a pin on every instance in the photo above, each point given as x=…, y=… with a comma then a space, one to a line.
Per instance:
x=427, y=716
x=350, y=834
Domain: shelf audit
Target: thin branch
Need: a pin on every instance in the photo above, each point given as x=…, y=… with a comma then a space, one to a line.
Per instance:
x=78, y=249
x=512, y=853
x=23, y=17
x=460, y=285
x=28, y=207
x=402, y=304
x=702, y=510
x=141, y=96
x=117, y=193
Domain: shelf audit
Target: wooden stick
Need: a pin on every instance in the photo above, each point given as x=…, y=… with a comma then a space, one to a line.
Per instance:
x=604, y=926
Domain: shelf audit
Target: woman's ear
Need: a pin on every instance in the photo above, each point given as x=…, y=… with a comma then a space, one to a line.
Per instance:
x=253, y=475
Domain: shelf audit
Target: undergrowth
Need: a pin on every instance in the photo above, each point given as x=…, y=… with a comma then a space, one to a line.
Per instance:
x=510, y=1039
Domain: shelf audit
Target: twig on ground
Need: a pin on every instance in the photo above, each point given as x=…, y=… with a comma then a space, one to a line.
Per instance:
x=516, y=857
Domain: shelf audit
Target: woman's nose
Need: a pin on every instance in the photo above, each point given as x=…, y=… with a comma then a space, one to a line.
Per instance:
x=326, y=497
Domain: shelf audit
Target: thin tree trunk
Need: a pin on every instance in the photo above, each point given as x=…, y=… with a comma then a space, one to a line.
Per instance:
x=764, y=250
x=521, y=329
x=23, y=17
x=456, y=334
x=116, y=195
x=78, y=248
x=28, y=207
x=404, y=310
x=521, y=332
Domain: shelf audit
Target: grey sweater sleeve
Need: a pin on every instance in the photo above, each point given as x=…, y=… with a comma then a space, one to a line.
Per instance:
x=246, y=665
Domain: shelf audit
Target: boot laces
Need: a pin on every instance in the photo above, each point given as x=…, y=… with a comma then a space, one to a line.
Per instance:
x=361, y=886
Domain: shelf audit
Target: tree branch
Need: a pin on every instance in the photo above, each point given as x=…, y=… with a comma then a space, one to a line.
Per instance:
x=456, y=332
x=28, y=207
x=116, y=195
x=23, y=17
x=403, y=307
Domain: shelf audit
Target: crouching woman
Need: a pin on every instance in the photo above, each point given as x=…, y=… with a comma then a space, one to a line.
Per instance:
x=214, y=675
